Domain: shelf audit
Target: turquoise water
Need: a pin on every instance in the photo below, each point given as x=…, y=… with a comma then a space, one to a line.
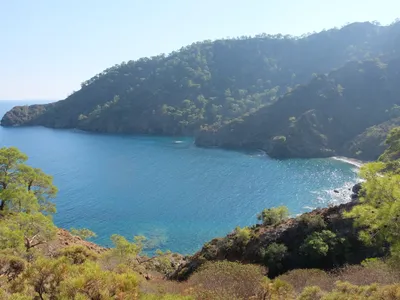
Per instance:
x=175, y=193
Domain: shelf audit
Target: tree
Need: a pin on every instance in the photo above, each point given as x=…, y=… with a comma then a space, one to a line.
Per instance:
x=126, y=251
x=393, y=143
x=89, y=281
x=26, y=230
x=23, y=188
x=273, y=216
x=77, y=254
x=378, y=214
x=273, y=256
x=46, y=275
x=83, y=233
x=319, y=244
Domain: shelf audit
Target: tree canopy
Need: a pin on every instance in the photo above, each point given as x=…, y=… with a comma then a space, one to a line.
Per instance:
x=22, y=187
x=378, y=214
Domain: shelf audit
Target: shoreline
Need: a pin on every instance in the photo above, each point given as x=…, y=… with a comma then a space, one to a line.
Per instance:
x=352, y=161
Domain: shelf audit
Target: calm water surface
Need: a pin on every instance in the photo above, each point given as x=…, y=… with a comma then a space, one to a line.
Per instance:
x=178, y=195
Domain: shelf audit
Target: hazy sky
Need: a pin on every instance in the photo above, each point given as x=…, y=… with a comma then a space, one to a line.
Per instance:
x=48, y=47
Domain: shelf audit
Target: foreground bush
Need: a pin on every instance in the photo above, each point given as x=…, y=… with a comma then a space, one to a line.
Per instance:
x=302, y=278
x=227, y=280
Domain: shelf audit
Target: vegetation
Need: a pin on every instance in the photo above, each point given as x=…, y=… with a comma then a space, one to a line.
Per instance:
x=273, y=256
x=319, y=244
x=326, y=239
x=229, y=90
x=23, y=188
x=379, y=211
x=273, y=216
x=323, y=94
x=83, y=233
x=353, y=122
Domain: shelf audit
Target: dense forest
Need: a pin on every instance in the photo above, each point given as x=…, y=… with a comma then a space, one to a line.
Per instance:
x=347, y=112
x=210, y=86
x=350, y=251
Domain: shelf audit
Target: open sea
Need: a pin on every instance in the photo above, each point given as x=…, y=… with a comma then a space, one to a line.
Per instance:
x=177, y=195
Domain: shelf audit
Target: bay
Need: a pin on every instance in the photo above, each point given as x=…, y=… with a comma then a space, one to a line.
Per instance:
x=165, y=188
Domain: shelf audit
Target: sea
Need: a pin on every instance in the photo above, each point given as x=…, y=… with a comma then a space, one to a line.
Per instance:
x=176, y=194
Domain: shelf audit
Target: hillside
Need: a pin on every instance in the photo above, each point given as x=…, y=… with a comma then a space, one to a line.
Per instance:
x=206, y=84
x=292, y=234
x=332, y=115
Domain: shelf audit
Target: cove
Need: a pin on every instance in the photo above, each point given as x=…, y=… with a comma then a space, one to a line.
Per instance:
x=174, y=193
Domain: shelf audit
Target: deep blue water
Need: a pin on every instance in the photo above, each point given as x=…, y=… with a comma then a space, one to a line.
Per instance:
x=172, y=192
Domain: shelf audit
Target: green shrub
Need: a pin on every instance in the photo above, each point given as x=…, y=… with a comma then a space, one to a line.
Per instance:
x=278, y=290
x=311, y=293
x=242, y=235
x=312, y=222
x=91, y=281
x=318, y=244
x=11, y=266
x=273, y=256
x=83, y=233
x=77, y=254
x=273, y=216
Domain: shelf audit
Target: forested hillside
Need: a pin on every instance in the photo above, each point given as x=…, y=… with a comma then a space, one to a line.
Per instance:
x=208, y=84
x=347, y=112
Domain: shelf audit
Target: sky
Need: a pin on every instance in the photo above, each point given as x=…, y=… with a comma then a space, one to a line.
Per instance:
x=48, y=47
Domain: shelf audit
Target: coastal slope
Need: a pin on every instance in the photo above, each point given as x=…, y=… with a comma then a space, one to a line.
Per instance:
x=345, y=113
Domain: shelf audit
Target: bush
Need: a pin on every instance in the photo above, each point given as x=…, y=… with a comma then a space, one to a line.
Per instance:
x=242, y=235
x=368, y=273
x=45, y=277
x=278, y=290
x=11, y=266
x=302, y=278
x=77, y=254
x=273, y=256
x=227, y=280
x=318, y=244
x=83, y=233
x=311, y=293
x=90, y=281
x=273, y=216
x=312, y=222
